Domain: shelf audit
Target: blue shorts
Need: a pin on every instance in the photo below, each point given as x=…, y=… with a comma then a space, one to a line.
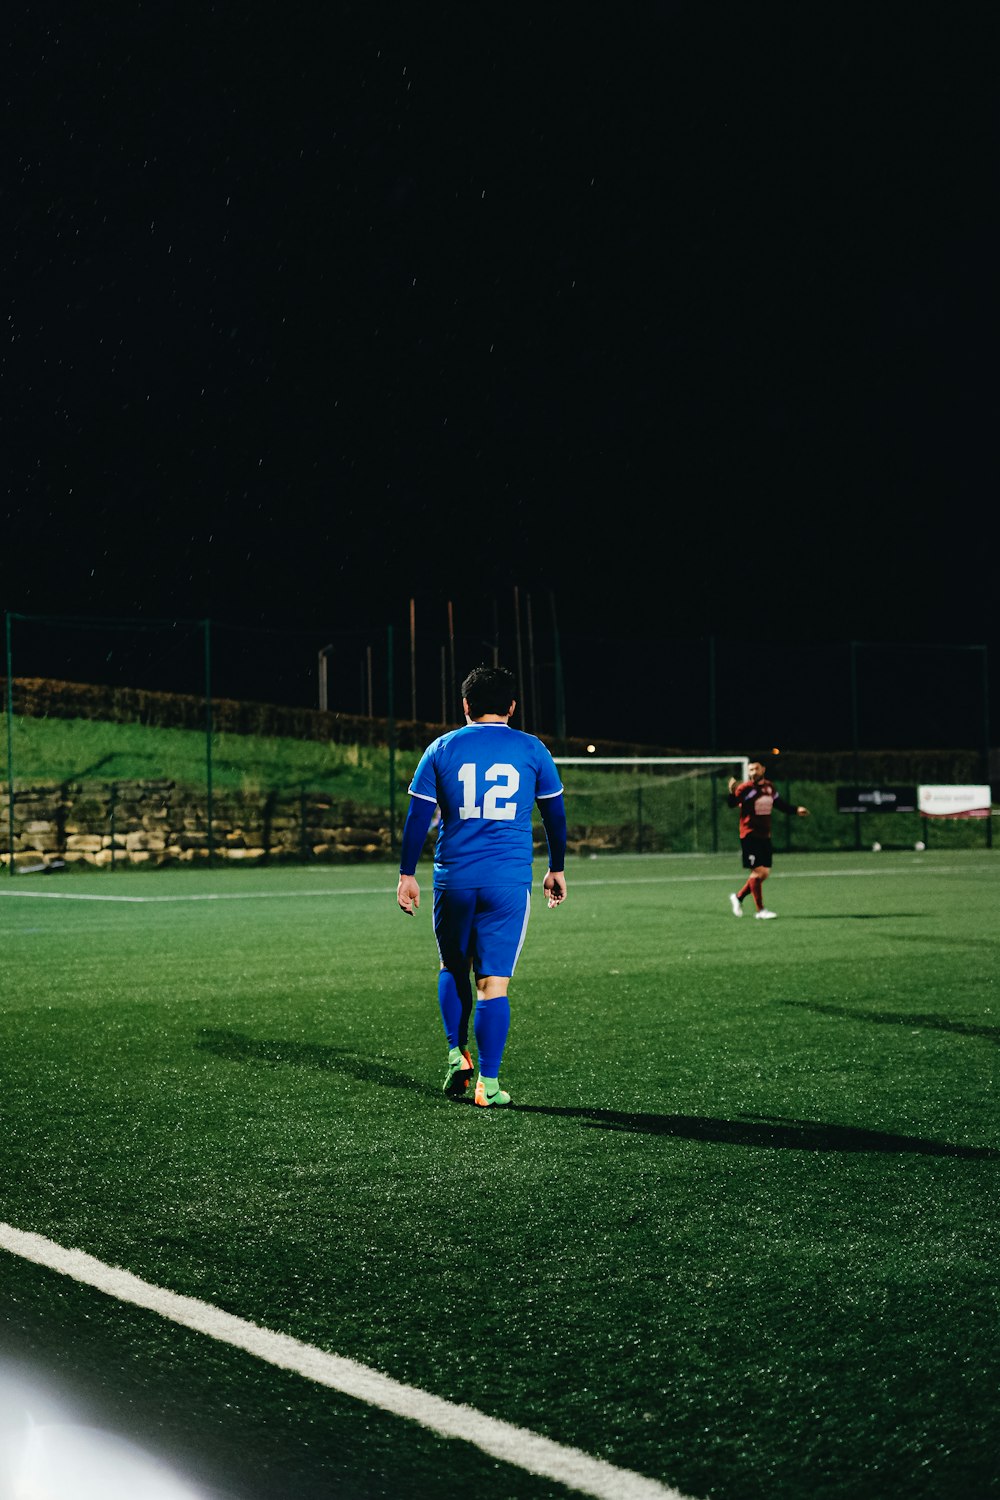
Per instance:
x=484, y=926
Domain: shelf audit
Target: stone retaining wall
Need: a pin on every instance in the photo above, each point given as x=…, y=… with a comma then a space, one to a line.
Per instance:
x=157, y=822
x=153, y=823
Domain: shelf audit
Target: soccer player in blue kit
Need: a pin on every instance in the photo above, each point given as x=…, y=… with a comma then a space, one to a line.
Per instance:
x=486, y=778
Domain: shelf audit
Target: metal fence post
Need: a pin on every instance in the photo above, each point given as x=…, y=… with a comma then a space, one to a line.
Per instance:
x=855, y=734
x=9, y=618
x=714, y=784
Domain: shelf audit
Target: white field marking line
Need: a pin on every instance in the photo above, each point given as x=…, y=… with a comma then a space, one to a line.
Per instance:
x=786, y=875
x=502, y=1440
x=380, y=890
x=576, y=884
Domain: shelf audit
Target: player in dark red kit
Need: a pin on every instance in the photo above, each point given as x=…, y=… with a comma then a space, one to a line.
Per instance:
x=756, y=799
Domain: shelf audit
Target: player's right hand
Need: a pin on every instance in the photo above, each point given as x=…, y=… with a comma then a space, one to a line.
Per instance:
x=554, y=886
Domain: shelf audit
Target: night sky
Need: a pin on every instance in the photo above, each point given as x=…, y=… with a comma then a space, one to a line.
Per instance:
x=678, y=319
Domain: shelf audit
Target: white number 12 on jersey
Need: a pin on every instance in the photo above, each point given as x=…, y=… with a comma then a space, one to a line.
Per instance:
x=496, y=803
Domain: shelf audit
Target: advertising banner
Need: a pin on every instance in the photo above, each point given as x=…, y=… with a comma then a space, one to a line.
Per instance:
x=954, y=801
x=883, y=799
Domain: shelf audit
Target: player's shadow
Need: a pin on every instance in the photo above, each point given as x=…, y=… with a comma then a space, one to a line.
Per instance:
x=770, y=1131
x=235, y=1047
x=898, y=1018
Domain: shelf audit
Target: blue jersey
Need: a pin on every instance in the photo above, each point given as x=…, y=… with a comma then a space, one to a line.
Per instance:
x=486, y=779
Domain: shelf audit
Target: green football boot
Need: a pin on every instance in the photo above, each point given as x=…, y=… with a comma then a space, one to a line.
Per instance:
x=459, y=1073
x=489, y=1092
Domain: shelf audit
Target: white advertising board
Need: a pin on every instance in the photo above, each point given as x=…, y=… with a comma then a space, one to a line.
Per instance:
x=953, y=801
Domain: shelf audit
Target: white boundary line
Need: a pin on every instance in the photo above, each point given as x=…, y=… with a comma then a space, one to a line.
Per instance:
x=502, y=1440
x=576, y=884
x=374, y=890
x=793, y=875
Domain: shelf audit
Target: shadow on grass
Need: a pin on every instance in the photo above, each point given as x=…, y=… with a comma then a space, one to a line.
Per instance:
x=895, y=1018
x=771, y=1131
x=235, y=1047
x=97, y=765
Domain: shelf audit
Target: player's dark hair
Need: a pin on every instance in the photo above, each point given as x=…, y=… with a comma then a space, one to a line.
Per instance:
x=489, y=690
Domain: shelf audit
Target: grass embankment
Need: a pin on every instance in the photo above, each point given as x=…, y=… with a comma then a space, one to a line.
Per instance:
x=55, y=750
x=676, y=812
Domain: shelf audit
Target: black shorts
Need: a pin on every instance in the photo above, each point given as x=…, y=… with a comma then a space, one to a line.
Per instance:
x=757, y=852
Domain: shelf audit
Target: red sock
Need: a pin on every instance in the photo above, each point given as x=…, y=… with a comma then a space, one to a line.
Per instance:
x=755, y=884
x=744, y=892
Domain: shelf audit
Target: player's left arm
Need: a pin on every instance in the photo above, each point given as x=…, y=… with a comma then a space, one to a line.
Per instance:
x=792, y=809
x=553, y=815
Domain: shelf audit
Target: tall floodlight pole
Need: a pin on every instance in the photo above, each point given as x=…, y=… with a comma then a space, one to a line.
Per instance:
x=207, y=627
x=324, y=699
x=532, y=678
x=496, y=633
x=371, y=697
x=413, y=659
x=9, y=631
x=390, y=717
x=713, y=731
x=560, y=686
x=520, y=663
x=452, y=701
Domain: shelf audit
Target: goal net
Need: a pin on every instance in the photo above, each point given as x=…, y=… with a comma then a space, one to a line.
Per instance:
x=660, y=804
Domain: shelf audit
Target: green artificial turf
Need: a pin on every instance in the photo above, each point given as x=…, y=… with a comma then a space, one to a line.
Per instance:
x=737, y=1234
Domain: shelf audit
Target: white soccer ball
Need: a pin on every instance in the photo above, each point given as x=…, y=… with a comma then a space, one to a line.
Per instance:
x=920, y=845
x=876, y=848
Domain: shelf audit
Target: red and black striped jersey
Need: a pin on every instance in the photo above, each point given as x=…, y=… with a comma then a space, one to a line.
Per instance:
x=756, y=800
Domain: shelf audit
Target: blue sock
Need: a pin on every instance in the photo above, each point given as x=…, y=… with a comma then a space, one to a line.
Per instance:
x=456, y=1007
x=492, y=1024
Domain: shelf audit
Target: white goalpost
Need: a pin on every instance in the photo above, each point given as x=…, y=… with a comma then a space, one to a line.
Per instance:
x=647, y=803
x=655, y=760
